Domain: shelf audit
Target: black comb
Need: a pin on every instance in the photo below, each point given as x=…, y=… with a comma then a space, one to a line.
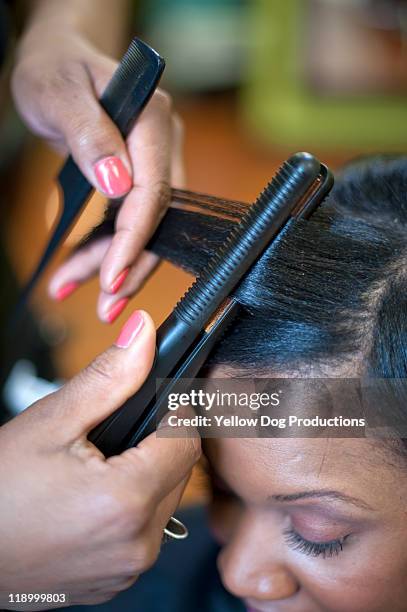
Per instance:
x=124, y=98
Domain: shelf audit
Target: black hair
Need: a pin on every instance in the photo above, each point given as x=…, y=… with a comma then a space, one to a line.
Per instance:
x=331, y=291
x=329, y=294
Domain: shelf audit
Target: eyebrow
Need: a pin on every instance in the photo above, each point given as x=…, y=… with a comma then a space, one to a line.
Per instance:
x=293, y=497
x=332, y=495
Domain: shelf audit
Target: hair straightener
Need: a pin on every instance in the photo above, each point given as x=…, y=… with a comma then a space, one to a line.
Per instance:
x=188, y=335
x=124, y=98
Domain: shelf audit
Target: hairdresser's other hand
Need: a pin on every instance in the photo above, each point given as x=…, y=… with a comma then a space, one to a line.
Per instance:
x=72, y=521
x=56, y=84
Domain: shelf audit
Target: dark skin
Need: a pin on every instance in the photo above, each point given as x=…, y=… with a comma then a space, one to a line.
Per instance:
x=66, y=56
x=73, y=521
x=311, y=525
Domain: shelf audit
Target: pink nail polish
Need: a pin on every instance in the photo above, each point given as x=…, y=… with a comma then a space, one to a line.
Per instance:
x=112, y=177
x=119, y=280
x=66, y=290
x=130, y=329
x=116, y=309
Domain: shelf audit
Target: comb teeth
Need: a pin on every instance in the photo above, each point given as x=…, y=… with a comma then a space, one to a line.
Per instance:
x=134, y=61
x=132, y=85
x=244, y=244
x=137, y=60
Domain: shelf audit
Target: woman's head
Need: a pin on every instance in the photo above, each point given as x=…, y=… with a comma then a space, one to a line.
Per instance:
x=310, y=525
x=330, y=293
x=313, y=525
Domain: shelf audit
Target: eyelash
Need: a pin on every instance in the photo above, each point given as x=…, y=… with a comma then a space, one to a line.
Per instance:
x=293, y=539
x=314, y=549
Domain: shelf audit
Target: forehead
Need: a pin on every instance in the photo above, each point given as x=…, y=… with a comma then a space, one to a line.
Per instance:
x=255, y=467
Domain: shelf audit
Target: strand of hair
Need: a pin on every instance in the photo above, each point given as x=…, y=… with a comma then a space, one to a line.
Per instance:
x=208, y=204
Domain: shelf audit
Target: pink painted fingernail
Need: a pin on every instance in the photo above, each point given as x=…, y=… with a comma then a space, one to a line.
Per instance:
x=119, y=280
x=66, y=290
x=116, y=309
x=112, y=176
x=130, y=329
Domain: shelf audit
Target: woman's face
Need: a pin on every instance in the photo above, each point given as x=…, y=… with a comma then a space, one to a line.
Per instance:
x=311, y=525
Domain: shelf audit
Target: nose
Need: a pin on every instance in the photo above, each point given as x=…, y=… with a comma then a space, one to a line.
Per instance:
x=251, y=567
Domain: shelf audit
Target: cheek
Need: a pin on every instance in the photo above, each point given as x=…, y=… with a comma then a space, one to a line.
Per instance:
x=346, y=584
x=224, y=515
x=354, y=581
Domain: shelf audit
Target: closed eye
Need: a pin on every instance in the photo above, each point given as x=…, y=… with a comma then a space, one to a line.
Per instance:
x=330, y=548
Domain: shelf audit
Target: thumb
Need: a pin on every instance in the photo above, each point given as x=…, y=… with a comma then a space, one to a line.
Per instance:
x=102, y=387
x=92, y=138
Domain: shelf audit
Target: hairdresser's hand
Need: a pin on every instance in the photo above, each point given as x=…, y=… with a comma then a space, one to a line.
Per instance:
x=56, y=84
x=72, y=521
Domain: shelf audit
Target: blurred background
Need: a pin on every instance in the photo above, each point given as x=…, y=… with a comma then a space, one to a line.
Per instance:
x=254, y=81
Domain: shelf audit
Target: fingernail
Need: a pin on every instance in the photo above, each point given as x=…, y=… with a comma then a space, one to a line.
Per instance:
x=119, y=280
x=66, y=290
x=116, y=309
x=130, y=329
x=112, y=176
